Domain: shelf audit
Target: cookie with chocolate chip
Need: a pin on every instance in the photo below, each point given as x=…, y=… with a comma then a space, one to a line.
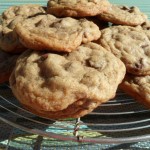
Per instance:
x=123, y=15
x=9, y=40
x=77, y=8
x=46, y=32
x=138, y=87
x=56, y=85
x=131, y=45
x=26, y=10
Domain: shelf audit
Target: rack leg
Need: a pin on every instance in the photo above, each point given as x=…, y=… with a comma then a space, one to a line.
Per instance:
x=76, y=129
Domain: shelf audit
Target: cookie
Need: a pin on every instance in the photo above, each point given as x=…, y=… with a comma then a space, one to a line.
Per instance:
x=9, y=41
x=77, y=8
x=129, y=44
x=138, y=87
x=27, y=10
x=7, y=63
x=123, y=15
x=46, y=32
x=66, y=85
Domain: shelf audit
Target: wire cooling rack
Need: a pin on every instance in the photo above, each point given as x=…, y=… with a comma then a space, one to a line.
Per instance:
x=121, y=120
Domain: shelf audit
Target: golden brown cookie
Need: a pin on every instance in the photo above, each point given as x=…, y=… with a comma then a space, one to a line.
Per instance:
x=46, y=32
x=77, y=8
x=138, y=87
x=131, y=45
x=9, y=41
x=66, y=85
x=7, y=63
x=26, y=10
x=123, y=15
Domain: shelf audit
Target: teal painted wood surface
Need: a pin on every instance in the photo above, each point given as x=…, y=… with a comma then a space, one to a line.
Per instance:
x=144, y=5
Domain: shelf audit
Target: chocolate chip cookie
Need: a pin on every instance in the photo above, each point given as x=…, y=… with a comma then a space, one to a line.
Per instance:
x=123, y=15
x=138, y=87
x=131, y=45
x=77, y=8
x=27, y=10
x=66, y=85
x=9, y=41
x=46, y=32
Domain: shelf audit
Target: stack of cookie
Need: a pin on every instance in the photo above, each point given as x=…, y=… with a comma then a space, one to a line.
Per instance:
x=10, y=46
x=70, y=60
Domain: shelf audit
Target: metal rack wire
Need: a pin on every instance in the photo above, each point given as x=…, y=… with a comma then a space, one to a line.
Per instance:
x=121, y=120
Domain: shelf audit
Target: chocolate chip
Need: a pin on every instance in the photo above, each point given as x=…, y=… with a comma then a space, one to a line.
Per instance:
x=144, y=46
x=44, y=57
